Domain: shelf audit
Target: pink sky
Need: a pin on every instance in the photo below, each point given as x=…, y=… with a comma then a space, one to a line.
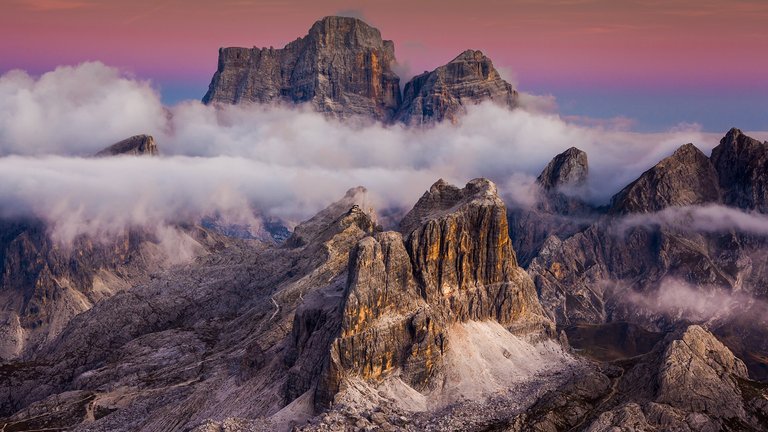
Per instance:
x=677, y=45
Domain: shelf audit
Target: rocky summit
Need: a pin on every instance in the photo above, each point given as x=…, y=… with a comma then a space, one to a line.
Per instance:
x=344, y=68
x=139, y=145
x=446, y=92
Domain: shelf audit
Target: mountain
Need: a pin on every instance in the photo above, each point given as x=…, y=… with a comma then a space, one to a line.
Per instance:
x=343, y=68
x=340, y=314
x=642, y=261
x=446, y=92
x=741, y=163
x=139, y=145
x=685, y=178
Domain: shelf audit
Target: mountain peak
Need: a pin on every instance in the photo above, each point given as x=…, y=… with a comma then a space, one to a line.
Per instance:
x=740, y=162
x=569, y=168
x=137, y=145
x=687, y=177
x=342, y=68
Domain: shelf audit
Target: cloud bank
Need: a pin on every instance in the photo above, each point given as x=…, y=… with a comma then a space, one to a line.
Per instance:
x=286, y=162
x=701, y=219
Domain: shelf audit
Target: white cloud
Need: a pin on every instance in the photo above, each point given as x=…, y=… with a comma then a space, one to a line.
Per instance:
x=287, y=162
x=703, y=219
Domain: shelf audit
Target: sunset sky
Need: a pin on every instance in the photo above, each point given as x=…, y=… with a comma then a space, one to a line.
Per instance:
x=650, y=64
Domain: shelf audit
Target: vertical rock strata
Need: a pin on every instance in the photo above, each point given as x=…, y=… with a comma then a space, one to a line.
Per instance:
x=342, y=67
x=452, y=263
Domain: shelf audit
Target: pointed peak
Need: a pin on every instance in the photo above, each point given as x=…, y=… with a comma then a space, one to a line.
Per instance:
x=137, y=145
x=569, y=168
x=734, y=133
x=443, y=197
x=688, y=150
x=470, y=55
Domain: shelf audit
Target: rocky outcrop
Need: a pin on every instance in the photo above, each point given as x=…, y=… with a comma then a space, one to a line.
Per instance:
x=452, y=263
x=741, y=163
x=685, y=178
x=558, y=211
x=446, y=92
x=139, y=145
x=569, y=168
x=342, y=67
x=46, y=283
x=688, y=382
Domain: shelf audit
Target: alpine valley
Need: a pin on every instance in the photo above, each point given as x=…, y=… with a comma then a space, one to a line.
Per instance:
x=462, y=312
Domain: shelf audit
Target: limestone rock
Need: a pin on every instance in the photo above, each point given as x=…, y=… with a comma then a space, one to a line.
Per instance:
x=558, y=210
x=342, y=68
x=139, y=145
x=741, y=163
x=685, y=178
x=569, y=168
x=446, y=92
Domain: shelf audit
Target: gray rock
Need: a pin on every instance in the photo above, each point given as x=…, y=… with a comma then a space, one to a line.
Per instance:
x=139, y=145
x=685, y=178
x=741, y=163
x=446, y=92
x=342, y=68
x=569, y=168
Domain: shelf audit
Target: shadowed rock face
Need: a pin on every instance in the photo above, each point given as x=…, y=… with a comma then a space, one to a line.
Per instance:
x=342, y=67
x=569, y=168
x=685, y=178
x=446, y=92
x=139, y=145
x=688, y=382
x=741, y=163
x=558, y=211
x=453, y=263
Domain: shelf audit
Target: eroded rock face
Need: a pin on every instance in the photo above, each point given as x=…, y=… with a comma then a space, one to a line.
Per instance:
x=741, y=163
x=342, y=67
x=139, y=145
x=685, y=178
x=569, y=168
x=688, y=382
x=45, y=283
x=446, y=92
x=558, y=211
x=452, y=263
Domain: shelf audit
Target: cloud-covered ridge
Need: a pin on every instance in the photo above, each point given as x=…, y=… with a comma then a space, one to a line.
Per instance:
x=279, y=161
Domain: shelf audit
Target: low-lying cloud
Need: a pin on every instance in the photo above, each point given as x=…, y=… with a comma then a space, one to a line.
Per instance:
x=681, y=300
x=248, y=161
x=701, y=219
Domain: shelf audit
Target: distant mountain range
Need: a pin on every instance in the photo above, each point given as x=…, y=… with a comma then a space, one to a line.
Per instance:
x=471, y=314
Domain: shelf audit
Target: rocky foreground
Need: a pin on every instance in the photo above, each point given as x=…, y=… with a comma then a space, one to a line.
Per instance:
x=347, y=327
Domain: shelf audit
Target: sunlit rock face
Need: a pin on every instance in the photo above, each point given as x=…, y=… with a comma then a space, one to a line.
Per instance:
x=342, y=67
x=452, y=263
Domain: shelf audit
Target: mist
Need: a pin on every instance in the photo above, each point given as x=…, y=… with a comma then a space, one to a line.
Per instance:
x=701, y=219
x=680, y=300
x=247, y=162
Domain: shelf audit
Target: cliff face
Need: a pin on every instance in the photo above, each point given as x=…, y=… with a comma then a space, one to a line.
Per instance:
x=446, y=92
x=615, y=269
x=741, y=163
x=452, y=263
x=342, y=67
x=685, y=178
